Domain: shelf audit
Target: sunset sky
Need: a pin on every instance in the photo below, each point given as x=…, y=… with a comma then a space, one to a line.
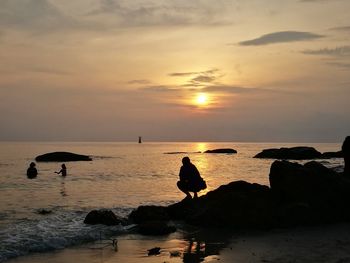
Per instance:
x=175, y=70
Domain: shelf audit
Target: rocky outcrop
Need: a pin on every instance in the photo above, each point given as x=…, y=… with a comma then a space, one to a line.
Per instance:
x=315, y=192
x=104, y=217
x=223, y=150
x=299, y=195
x=62, y=157
x=238, y=204
x=293, y=153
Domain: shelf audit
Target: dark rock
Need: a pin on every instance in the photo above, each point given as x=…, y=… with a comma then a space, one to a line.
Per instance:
x=43, y=211
x=104, y=217
x=323, y=190
x=328, y=155
x=346, y=152
x=180, y=152
x=149, y=213
x=154, y=251
x=155, y=228
x=224, y=150
x=237, y=204
x=62, y=157
x=293, y=153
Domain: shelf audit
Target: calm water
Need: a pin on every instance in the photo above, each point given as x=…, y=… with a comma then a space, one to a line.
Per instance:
x=121, y=177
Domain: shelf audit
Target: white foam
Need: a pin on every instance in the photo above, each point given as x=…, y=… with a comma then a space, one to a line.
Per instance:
x=54, y=231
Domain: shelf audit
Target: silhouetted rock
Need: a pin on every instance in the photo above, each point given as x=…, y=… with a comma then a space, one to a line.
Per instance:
x=180, y=152
x=238, y=204
x=149, y=213
x=154, y=251
x=62, y=157
x=325, y=192
x=293, y=153
x=104, y=217
x=43, y=211
x=346, y=154
x=224, y=150
x=328, y=155
x=155, y=228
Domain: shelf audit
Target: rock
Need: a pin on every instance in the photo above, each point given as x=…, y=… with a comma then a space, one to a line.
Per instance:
x=149, y=213
x=293, y=153
x=154, y=251
x=155, y=228
x=104, y=217
x=346, y=152
x=238, y=204
x=43, y=211
x=62, y=157
x=224, y=150
x=180, y=152
x=328, y=155
x=323, y=190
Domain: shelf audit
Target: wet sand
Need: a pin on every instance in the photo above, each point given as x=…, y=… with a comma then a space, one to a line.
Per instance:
x=327, y=243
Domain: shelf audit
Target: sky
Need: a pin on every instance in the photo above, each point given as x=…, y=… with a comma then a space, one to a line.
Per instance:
x=175, y=70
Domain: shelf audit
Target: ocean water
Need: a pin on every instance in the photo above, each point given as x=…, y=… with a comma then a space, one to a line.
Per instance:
x=120, y=177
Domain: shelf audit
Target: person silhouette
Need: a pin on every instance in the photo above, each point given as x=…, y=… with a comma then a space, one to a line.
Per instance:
x=63, y=170
x=190, y=179
x=32, y=172
x=346, y=153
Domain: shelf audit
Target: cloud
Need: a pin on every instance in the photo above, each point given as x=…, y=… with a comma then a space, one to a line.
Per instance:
x=280, y=37
x=33, y=15
x=199, y=78
x=139, y=81
x=162, y=13
x=341, y=28
x=338, y=51
x=340, y=64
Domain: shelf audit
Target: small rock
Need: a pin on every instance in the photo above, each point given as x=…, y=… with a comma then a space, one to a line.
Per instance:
x=154, y=251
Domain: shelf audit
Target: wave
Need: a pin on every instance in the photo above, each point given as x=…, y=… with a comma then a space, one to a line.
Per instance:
x=56, y=231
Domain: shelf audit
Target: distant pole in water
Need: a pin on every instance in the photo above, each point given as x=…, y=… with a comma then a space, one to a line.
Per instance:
x=140, y=141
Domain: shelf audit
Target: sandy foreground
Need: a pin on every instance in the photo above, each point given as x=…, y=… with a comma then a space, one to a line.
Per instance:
x=328, y=243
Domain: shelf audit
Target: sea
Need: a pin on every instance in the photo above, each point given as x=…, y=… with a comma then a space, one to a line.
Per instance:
x=120, y=177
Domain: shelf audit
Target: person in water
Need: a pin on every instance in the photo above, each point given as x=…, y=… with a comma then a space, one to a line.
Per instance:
x=63, y=170
x=190, y=179
x=32, y=172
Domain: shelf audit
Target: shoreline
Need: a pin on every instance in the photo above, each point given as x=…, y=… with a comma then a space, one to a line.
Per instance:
x=323, y=243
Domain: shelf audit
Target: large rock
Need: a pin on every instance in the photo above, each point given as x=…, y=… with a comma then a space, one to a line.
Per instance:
x=155, y=228
x=293, y=153
x=238, y=204
x=223, y=150
x=104, y=217
x=62, y=157
x=346, y=152
x=323, y=191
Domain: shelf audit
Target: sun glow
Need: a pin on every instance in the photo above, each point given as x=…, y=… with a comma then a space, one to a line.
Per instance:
x=201, y=99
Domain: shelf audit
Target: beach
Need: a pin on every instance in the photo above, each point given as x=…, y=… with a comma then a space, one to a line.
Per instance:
x=326, y=243
x=123, y=176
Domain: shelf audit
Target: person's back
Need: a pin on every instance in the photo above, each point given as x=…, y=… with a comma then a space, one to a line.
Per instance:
x=32, y=172
x=190, y=179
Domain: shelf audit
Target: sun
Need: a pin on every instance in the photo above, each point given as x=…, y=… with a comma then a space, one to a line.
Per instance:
x=201, y=99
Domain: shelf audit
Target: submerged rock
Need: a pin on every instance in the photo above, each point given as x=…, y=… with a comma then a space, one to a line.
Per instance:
x=293, y=153
x=62, y=157
x=104, y=217
x=223, y=150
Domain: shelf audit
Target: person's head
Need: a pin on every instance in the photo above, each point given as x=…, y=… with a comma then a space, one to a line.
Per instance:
x=186, y=160
x=32, y=165
x=346, y=145
x=63, y=166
